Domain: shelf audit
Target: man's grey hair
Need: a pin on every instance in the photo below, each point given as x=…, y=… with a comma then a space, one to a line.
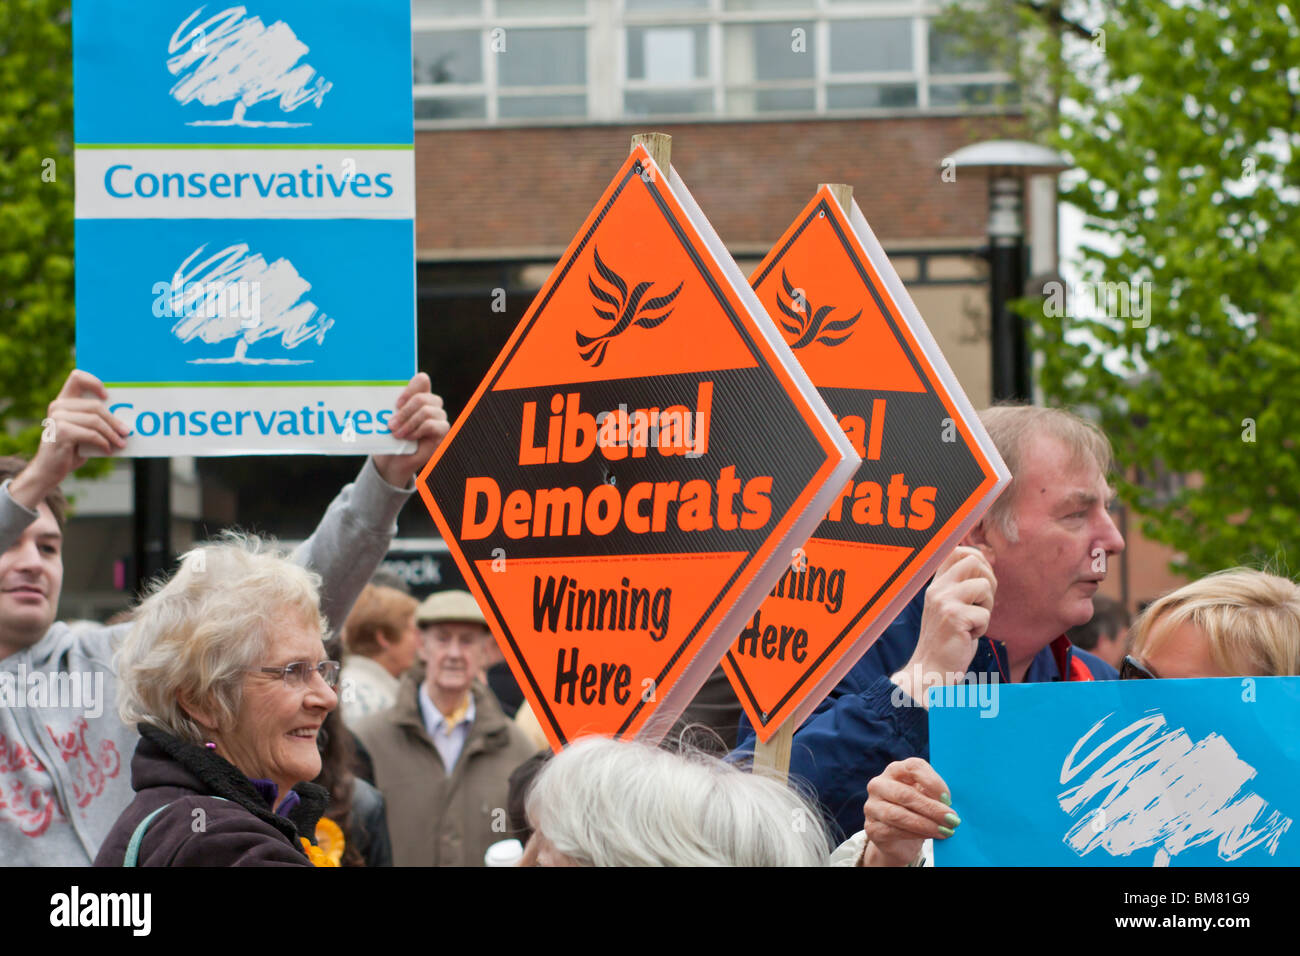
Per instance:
x=197, y=635
x=1012, y=426
x=604, y=802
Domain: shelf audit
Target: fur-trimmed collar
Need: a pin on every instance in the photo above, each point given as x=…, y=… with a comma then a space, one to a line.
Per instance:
x=217, y=776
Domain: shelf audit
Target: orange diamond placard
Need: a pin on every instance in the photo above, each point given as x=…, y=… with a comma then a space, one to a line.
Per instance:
x=626, y=484
x=928, y=472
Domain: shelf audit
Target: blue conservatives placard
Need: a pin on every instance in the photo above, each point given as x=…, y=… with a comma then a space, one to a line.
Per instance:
x=1121, y=773
x=245, y=221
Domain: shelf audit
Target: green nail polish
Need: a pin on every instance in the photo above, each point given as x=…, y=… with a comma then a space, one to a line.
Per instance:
x=945, y=798
x=945, y=832
x=952, y=820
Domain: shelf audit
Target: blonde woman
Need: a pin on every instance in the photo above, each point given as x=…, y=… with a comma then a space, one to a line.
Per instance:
x=1235, y=623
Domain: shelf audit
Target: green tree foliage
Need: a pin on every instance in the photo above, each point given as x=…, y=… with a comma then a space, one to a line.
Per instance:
x=37, y=320
x=1186, y=127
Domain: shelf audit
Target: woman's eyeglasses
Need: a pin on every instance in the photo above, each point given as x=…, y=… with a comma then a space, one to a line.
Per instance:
x=1132, y=670
x=299, y=672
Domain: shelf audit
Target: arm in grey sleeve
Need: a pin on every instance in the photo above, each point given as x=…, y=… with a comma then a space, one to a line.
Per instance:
x=14, y=518
x=351, y=539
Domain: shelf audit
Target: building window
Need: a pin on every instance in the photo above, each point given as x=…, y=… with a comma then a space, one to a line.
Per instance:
x=489, y=61
x=449, y=62
x=961, y=77
x=769, y=67
x=667, y=70
x=661, y=6
x=873, y=64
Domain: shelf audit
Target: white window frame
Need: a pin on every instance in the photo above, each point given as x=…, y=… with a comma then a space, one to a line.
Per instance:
x=607, y=21
x=490, y=88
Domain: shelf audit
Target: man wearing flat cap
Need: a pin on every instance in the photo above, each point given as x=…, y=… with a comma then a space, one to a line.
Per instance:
x=443, y=754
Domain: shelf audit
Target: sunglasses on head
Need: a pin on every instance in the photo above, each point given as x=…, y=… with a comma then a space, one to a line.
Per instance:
x=1132, y=670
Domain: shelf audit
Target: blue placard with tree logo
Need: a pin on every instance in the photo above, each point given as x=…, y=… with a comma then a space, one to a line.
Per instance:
x=245, y=221
x=1121, y=773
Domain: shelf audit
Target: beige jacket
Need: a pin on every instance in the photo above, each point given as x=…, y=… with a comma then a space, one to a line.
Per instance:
x=365, y=687
x=433, y=819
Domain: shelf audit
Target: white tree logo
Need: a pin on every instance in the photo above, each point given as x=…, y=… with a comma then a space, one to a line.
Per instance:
x=278, y=289
x=1152, y=786
x=232, y=57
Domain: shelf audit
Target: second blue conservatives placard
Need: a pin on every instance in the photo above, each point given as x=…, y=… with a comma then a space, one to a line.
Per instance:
x=1121, y=773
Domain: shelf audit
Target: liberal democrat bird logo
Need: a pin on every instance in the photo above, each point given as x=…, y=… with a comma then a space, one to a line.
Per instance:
x=809, y=327
x=625, y=310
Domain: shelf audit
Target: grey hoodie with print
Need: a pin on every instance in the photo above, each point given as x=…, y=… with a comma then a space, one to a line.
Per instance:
x=65, y=770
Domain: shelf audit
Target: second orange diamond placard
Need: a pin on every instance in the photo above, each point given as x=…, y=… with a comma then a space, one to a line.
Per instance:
x=928, y=471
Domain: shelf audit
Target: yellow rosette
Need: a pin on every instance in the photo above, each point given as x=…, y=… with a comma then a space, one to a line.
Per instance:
x=328, y=850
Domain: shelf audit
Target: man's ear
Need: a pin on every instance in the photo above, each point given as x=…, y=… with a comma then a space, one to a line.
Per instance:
x=977, y=537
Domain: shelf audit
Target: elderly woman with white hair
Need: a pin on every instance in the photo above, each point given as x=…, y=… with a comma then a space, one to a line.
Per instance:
x=224, y=673
x=602, y=802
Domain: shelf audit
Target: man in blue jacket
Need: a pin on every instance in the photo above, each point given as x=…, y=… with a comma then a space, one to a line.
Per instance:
x=1042, y=549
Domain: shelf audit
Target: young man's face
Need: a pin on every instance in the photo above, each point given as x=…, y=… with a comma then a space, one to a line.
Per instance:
x=1048, y=575
x=31, y=577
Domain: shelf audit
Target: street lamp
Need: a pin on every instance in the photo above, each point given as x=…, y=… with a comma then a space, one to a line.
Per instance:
x=1008, y=163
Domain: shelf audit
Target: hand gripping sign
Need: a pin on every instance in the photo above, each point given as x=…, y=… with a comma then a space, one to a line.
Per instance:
x=929, y=471
x=625, y=485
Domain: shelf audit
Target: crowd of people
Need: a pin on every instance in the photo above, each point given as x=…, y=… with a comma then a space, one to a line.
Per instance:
x=261, y=708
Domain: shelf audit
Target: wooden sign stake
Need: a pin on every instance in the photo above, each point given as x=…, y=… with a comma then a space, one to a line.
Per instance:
x=658, y=145
x=773, y=757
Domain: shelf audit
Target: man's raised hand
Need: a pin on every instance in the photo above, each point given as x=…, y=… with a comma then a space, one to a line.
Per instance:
x=78, y=416
x=419, y=417
x=958, y=605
